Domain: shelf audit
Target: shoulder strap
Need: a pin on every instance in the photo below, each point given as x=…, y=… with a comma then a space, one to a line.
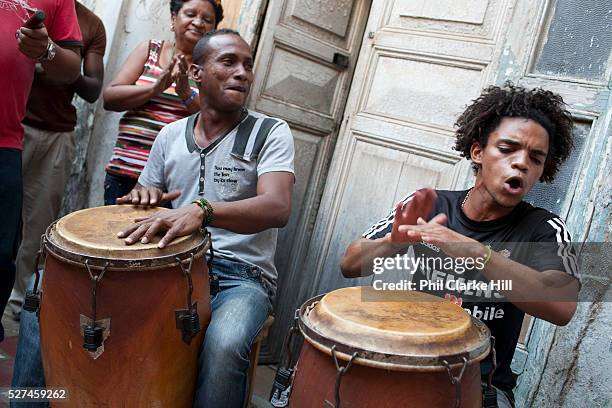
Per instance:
x=155, y=47
x=251, y=136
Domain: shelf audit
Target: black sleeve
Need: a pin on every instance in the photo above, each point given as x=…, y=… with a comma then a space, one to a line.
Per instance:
x=384, y=226
x=552, y=248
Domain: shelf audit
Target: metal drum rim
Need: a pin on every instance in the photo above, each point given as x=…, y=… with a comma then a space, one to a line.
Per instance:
x=386, y=361
x=114, y=263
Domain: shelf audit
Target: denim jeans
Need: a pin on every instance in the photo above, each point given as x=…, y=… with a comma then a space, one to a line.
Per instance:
x=11, y=198
x=239, y=310
x=116, y=187
x=28, y=368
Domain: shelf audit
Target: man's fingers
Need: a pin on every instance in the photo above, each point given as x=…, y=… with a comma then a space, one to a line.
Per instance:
x=125, y=199
x=137, y=234
x=439, y=219
x=37, y=34
x=169, y=196
x=127, y=231
x=144, y=197
x=135, y=194
x=153, y=229
x=170, y=235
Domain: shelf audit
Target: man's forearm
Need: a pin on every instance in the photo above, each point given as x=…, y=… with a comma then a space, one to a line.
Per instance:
x=548, y=295
x=251, y=215
x=65, y=66
x=87, y=88
x=359, y=256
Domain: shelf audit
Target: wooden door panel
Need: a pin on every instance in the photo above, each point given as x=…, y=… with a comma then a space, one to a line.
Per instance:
x=374, y=178
x=431, y=93
x=308, y=159
x=468, y=18
x=305, y=62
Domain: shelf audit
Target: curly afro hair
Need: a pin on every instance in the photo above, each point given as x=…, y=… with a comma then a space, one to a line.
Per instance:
x=177, y=5
x=484, y=115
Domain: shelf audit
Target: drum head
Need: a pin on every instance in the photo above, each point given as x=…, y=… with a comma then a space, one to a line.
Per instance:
x=395, y=330
x=92, y=233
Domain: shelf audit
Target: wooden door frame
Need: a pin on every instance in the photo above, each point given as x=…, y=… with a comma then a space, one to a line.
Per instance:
x=516, y=63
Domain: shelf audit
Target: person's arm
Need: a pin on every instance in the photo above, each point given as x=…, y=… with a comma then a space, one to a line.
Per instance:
x=550, y=295
x=123, y=94
x=65, y=66
x=359, y=255
x=183, y=88
x=269, y=209
x=89, y=84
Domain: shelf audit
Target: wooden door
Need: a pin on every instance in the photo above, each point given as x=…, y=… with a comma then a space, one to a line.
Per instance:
x=420, y=64
x=304, y=66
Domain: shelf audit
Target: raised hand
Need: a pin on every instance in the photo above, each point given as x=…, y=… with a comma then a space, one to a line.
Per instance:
x=164, y=81
x=32, y=42
x=181, y=77
x=420, y=206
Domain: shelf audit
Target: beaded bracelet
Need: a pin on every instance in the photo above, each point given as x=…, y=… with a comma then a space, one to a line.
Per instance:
x=189, y=101
x=208, y=210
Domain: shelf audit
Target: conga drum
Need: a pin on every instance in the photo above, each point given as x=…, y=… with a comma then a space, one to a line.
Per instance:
x=121, y=325
x=365, y=348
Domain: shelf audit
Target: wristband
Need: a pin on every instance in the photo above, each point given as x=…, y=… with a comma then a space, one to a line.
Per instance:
x=190, y=99
x=208, y=211
x=49, y=52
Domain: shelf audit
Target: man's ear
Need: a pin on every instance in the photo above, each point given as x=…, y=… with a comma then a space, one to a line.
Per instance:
x=476, y=152
x=195, y=73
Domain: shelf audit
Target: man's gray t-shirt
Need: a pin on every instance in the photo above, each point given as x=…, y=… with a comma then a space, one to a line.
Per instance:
x=227, y=170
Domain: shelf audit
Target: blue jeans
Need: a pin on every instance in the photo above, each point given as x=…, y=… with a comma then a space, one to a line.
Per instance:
x=28, y=368
x=239, y=310
x=11, y=193
x=116, y=187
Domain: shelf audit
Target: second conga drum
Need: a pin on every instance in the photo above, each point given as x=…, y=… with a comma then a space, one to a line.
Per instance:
x=365, y=348
x=151, y=308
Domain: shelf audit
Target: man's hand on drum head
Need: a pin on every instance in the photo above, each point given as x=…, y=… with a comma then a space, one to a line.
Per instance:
x=175, y=223
x=419, y=206
x=141, y=195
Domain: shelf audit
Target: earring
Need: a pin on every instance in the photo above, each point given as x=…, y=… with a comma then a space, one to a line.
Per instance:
x=172, y=27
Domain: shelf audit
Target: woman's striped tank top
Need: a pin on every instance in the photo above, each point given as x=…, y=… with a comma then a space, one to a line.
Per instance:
x=139, y=127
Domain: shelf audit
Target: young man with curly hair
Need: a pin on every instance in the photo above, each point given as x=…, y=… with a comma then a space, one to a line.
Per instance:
x=514, y=138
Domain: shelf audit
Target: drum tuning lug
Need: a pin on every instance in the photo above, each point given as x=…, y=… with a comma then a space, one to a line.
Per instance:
x=32, y=301
x=188, y=322
x=92, y=338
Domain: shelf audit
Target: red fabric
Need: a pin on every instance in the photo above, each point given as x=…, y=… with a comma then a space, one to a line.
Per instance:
x=17, y=70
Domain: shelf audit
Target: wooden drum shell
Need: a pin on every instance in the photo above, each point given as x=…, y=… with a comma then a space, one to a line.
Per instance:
x=403, y=344
x=367, y=387
x=145, y=362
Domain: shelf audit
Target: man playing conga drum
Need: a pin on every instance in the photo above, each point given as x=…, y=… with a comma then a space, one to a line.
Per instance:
x=234, y=171
x=514, y=138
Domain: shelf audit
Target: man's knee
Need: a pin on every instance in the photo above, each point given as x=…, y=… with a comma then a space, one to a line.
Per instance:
x=227, y=343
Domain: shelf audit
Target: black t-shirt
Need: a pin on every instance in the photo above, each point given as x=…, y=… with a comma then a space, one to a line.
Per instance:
x=513, y=236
